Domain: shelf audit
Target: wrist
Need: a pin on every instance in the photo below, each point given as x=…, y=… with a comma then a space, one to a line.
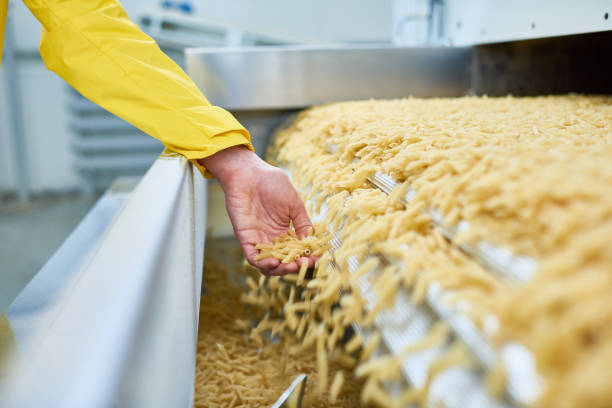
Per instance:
x=230, y=162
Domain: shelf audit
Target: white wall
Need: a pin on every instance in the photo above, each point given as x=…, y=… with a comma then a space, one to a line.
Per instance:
x=322, y=21
x=46, y=129
x=469, y=22
x=486, y=21
x=43, y=113
x=7, y=177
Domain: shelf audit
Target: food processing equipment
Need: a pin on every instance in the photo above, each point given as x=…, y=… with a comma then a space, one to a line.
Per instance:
x=111, y=319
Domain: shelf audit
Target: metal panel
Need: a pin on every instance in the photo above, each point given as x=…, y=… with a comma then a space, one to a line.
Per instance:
x=111, y=320
x=106, y=146
x=241, y=78
x=573, y=63
x=490, y=21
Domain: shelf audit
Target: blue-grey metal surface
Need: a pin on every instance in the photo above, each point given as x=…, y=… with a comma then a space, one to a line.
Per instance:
x=242, y=78
x=36, y=301
x=111, y=320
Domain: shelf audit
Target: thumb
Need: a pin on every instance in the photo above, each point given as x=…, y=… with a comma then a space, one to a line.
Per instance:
x=301, y=221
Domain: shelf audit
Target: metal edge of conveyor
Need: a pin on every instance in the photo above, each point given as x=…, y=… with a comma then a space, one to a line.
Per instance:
x=112, y=318
x=286, y=77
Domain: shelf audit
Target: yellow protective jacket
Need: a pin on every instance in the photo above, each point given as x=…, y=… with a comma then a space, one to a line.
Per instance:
x=94, y=47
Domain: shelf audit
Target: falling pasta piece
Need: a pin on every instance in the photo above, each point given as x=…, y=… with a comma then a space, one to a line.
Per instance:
x=302, y=273
x=233, y=370
x=336, y=386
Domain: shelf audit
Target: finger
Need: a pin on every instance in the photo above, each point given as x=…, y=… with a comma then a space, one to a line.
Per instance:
x=249, y=252
x=283, y=269
x=266, y=264
x=272, y=266
x=300, y=219
x=310, y=259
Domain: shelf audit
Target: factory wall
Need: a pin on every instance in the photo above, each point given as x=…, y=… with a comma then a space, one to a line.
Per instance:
x=43, y=113
x=7, y=177
x=44, y=96
x=319, y=21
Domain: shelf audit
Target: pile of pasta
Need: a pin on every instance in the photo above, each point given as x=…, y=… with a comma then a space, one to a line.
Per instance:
x=236, y=370
x=289, y=248
x=533, y=175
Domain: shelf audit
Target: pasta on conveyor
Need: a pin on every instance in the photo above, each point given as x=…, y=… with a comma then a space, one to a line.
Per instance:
x=532, y=176
x=410, y=198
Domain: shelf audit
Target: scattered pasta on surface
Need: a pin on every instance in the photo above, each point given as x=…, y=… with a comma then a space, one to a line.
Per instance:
x=237, y=367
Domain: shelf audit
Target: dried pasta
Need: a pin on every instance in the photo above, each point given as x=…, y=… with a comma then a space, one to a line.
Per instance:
x=233, y=370
x=532, y=175
x=288, y=247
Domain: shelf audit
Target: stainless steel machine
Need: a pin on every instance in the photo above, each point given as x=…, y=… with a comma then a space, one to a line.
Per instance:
x=348, y=73
x=111, y=320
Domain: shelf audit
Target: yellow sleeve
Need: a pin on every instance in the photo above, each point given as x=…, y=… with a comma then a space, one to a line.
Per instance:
x=3, y=10
x=94, y=47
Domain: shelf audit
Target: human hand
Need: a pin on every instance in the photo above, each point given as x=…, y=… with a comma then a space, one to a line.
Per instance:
x=261, y=202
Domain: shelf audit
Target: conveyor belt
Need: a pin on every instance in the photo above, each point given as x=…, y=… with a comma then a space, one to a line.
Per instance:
x=522, y=381
x=407, y=323
x=498, y=260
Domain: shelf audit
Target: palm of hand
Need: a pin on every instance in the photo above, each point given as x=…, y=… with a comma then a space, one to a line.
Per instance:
x=261, y=205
